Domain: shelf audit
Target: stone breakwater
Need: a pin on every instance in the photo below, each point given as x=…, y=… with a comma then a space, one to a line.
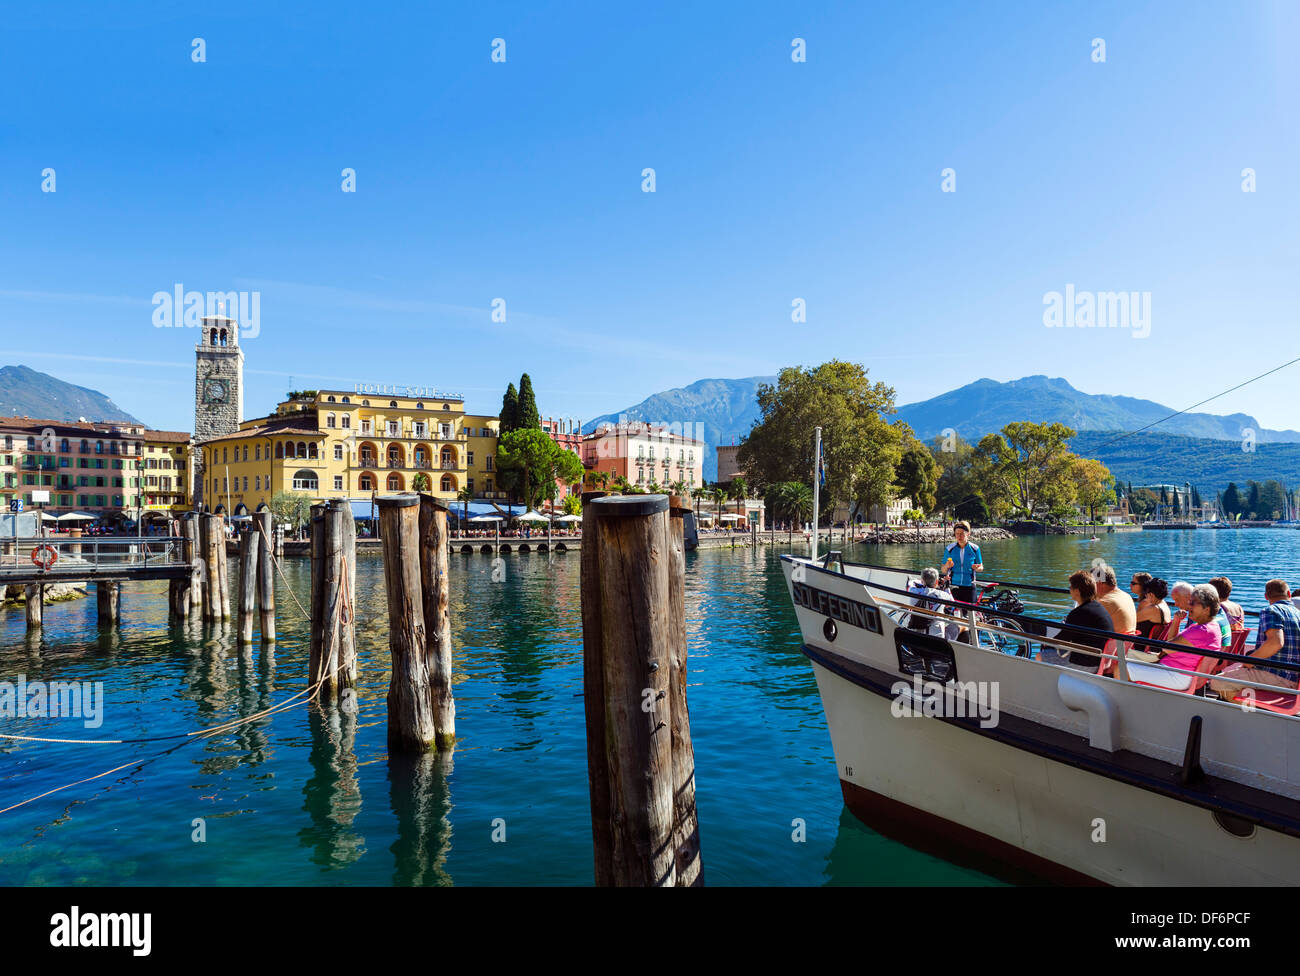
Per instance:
x=54, y=593
x=932, y=535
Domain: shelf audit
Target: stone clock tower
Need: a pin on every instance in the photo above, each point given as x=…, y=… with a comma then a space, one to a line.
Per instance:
x=218, y=379
x=218, y=386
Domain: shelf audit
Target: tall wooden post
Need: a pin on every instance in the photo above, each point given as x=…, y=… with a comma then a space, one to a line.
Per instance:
x=434, y=548
x=333, y=647
x=35, y=604
x=316, y=668
x=108, y=601
x=411, y=726
x=193, y=550
x=223, y=564
x=593, y=684
x=629, y=579
x=686, y=827
x=265, y=527
x=248, y=550
x=207, y=545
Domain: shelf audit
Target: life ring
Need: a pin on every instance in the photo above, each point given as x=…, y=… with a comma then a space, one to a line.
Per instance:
x=44, y=557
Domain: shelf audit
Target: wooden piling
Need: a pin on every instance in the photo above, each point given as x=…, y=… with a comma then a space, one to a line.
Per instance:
x=316, y=550
x=628, y=585
x=437, y=621
x=223, y=567
x=265, y=527
x=194, y=597
x=34, y=595
x=207, y=568
x=248, y=551
x=108, y=598
x=686, y=827
x=411, y=726
x=593, y=684
x=348, y=639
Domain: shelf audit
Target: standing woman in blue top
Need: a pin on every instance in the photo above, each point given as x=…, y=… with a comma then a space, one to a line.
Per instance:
x=962, y=560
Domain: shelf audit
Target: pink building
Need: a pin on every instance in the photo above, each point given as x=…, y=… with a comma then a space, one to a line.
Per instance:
x=644, y=454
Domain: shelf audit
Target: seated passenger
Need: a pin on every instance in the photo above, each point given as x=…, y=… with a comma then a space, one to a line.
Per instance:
x=924, y=597
x=1136, y=585
x=1117, y=603
x=1152, y=610
x=1279, y=640
x=1202, y=634
x=1236, y=616
x=1088, y=613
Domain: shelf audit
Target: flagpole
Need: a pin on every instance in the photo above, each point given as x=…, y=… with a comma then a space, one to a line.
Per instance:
x=817, y=468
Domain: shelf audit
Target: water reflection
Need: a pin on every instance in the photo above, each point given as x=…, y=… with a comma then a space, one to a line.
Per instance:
x=332, y=796
x=419, y=796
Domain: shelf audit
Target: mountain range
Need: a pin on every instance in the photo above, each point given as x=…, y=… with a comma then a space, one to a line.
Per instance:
x=24, y=392
x=1205, y=449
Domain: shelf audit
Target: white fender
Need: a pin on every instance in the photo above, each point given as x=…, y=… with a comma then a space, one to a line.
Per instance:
x=1103, y=717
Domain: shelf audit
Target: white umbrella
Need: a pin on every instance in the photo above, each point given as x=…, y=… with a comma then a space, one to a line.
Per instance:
x=569, y=518
x=487, y=518
x=76, y=517
x=47, y=517
x=730, y=518
x=533, y=517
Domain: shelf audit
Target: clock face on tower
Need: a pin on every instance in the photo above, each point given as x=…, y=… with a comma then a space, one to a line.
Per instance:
x=216, y=391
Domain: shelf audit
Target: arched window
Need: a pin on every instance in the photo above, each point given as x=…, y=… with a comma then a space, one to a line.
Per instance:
x=347, y=399
x=311, y=449
x=445, y=407
x=245, y=452
x=330, y=398
x=225, y=457
x=257, y=452
x=302, y=449
x=329, y=418
x=392, y=403
x=419, y=406
x=394, y=482
x=99, y=447
x=213, y=341
x=365, y=403
x=366, y=483
x=448, y=456
x=85, y=447
x=304, y=481
x=279, y=450
x=347, y=422
x=446, y=482
x=223, y=337
x=64, y=446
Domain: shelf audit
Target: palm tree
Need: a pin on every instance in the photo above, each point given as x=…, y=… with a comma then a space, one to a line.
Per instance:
x=420, y=482
x=466, y=496
x=739, y=492
x=719, y=496
x=622, y=485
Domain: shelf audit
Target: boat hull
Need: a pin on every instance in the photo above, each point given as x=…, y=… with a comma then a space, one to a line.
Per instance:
x=1038, y=795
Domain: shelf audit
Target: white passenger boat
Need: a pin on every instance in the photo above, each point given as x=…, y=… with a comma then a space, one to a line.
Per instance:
x=1037, y=770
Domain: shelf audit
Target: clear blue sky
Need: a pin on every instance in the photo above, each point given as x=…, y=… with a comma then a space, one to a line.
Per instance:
x=775, y=180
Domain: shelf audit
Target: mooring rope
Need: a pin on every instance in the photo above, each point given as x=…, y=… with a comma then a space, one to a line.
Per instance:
x=300, y=698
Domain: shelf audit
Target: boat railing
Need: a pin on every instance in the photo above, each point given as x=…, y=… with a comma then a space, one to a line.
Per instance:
x=1035, y=636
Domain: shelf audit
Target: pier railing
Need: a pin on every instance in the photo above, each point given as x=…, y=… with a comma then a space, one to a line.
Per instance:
x=86, y=557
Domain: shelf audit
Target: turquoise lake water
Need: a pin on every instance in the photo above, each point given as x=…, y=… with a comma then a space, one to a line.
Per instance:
x=309, y=796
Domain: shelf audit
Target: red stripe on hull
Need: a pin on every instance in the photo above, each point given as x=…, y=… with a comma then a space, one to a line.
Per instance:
x=956, y=843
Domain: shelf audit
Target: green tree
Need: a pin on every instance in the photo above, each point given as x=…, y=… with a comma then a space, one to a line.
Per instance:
x=420, y=482
x=1272, y=500
x=918, y=475
x=1252, y=503
x=529, y=418
x=527, y=457
x=466, y=496
x=572, y=505
x=738, y=491
x=1030, y=465
x=861, y=448
x=509, y=410
x=291, y=508
x=1092, y=485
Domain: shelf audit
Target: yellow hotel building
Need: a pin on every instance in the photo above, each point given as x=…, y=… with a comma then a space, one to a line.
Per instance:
x=341, y=444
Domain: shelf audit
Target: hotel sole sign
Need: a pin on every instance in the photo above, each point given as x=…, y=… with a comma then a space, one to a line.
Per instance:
x=397, y=389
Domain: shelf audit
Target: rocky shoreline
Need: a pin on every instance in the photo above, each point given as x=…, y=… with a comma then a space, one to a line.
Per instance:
x=12, y=596
x=932, y=535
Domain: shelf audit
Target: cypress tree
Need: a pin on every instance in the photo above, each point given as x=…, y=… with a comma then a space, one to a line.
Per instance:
x=529, y=418
x=509, y=410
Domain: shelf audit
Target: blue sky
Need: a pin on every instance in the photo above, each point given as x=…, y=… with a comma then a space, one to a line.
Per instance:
x=775, y=180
